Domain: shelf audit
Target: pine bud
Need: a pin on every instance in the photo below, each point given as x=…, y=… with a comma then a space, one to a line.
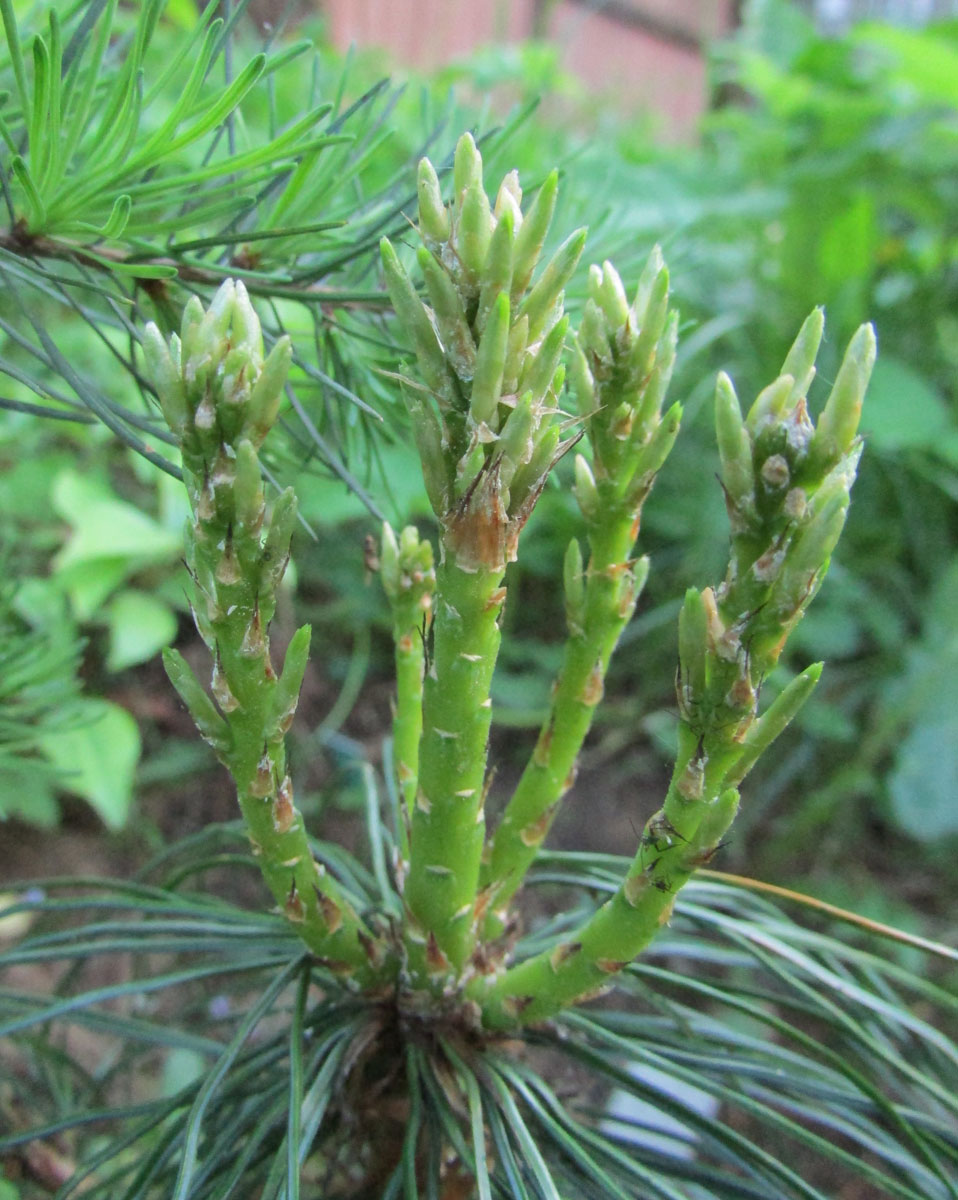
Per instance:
x=433, y=217
x=735, y=450
x=838, y=423
x=800, y=360
x=490, y=364
x=211, y=725
x=248, y=488
x=532, y=234
x=693, y=650
x=779, y=714
x=605, y=288
x=467, y=166
x=770, y=404
x=539, y=375
x=414, y=318
x=290, y=681
x=451, y=321
x=583, y=385
x=497, y=271
x=650, y=273
x=541, y=301
x=585, y=490
x=166, y=379
x=574, y=581
x=264, y=399
x=473, y=233
x=652, y=325
x=276, y=547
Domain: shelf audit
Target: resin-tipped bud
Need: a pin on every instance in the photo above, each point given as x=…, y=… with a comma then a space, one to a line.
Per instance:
x=166, y=379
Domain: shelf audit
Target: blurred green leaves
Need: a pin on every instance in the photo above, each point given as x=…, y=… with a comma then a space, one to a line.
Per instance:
x=96, y=758
x=923, y=704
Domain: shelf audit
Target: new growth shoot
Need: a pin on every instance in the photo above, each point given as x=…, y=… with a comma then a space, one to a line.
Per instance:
x=502, y=388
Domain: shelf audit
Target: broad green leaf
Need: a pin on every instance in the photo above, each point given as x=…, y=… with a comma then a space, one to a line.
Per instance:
x=34, y=804
x=140, y=626
x=98, y=758
x=923, y=786
x=89, y=583
x=41, y=603
x=902, y=409
x=927, y=62
x=105, y=527
x=848, y=244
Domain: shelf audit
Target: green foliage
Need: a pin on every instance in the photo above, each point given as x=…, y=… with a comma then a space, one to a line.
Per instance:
x=37, y=692
x=849, y=147
x=833, y=1059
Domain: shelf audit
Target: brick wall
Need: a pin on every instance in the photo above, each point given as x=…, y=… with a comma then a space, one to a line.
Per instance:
x=645, y=55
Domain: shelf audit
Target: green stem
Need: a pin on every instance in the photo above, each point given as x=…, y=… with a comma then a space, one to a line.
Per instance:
x=410, y=661
x=448, y=828
x=245, y=688
x=578, y=968
x=611, y=592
